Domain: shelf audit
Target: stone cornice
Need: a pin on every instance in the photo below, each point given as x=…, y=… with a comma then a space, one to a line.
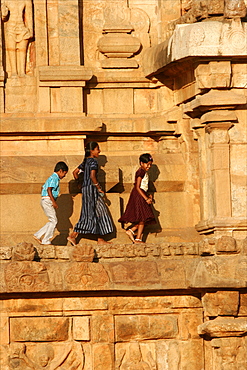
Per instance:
x=204, y=40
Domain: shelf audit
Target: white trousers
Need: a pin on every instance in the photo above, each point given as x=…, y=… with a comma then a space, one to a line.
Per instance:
x=48, y=229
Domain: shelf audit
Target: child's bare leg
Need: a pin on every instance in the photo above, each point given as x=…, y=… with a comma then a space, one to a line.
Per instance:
x=131, y=232
x=72, y=238
x=140, y=228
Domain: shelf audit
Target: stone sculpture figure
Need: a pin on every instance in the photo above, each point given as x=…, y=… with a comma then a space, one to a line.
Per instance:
x=18, y=359
x=19, y=29
x=135, y=361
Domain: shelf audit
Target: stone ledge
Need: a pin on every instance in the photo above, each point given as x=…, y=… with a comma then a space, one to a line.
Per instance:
x=225, y=245
x=66, y=275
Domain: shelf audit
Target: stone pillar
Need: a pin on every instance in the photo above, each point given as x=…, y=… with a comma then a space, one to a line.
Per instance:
x=1, y=75
x=212, y=121
x=215, y=184
x=220, y=168
x=63, y=33
x=41, y=37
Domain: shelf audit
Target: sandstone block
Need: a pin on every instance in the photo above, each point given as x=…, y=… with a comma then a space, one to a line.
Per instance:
x=4, y=329
x=168, y=355
x=191, y=354
x=223, y=327
x=34, y=307
x=85, y=275
x=23, y=252
x=243, y=304
x=188, y=323
x=81, y=328
x=26, y=276
x=103, y=356
x=127, y=273
x=5, y=253
x=39, y=329
x=102, y=328
x=172, y=274
x=221, y=303
x=141, y=327
x=78, y=304
x=4, y=357
x=226, y=244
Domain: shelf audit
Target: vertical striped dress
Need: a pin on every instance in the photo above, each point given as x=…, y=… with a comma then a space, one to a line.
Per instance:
x=94, y=218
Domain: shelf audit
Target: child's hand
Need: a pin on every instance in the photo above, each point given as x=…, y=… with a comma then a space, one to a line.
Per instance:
x=149, y=201
x=55, y=205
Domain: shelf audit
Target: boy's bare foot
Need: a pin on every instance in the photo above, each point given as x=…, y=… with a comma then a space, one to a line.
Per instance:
x=71, y=240
x=138, y=241
x=37, y=239
x=130, y=234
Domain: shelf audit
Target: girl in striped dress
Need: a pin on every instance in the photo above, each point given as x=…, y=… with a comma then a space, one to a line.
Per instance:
x=138, y=210
x=94, y=218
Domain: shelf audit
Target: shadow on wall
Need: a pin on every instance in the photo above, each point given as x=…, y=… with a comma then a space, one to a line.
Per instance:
x=64, y=212
x=154, y=173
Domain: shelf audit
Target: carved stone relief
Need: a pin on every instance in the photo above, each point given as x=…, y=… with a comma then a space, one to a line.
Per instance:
x=18, y=31
x=125, y=31
x=23, y=252
x=229, y=353
x=26, y=276
x=132, y=358
x=66, y=356
x=199, y=10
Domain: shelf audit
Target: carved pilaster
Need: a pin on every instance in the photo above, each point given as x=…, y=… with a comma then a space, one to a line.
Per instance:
x=117, y=44
x=1, y=75
x=211, y=126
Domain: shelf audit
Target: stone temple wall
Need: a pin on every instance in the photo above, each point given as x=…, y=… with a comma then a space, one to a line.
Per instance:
x=166, y=77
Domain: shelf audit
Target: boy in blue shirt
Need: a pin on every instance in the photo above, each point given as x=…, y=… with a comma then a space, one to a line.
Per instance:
x=49, y=194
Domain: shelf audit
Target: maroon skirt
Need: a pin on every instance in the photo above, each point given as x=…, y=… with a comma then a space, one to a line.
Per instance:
x=137, y=210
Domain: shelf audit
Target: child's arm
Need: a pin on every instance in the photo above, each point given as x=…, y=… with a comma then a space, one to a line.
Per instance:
x=148, y=199
x=95, y=181
x=54, y=203
x=76, y=173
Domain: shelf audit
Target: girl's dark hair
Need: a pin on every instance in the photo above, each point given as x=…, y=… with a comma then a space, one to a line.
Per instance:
x=145, y=158
x=91, y=145
x=61, y=166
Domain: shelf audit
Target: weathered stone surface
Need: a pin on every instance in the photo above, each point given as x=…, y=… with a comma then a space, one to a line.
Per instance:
x=103, y=356
x=39, y=329
x=223, y=327
x=145, y=327
x=221, y=303
x=243, y=304
x=4, y=328
x=5, y=253
x=188, y=322
x=23, y=252
x=164, y=77
x=83, y=275
x=103, y=328
x=228, y=351
x=210, y=38
x=83, y=253
x=81, y=328
x=26, y=276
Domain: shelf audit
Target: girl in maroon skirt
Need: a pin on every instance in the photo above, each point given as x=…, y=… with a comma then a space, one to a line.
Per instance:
x=138, y=210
